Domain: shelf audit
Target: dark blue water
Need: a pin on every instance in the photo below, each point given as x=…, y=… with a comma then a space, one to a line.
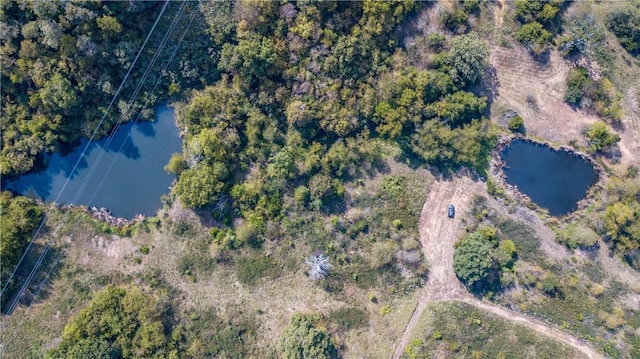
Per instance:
x=554, y=180
x=129, y=179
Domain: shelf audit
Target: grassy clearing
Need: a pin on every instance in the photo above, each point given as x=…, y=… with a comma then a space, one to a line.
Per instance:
x=575, y=294
x=456, y=330
x=250, y=293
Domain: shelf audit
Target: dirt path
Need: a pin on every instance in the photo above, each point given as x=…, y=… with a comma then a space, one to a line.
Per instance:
x=437, y=236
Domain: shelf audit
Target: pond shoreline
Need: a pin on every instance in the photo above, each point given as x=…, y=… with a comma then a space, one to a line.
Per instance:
x=497, y=174
x=101, y=214
x=122, y=176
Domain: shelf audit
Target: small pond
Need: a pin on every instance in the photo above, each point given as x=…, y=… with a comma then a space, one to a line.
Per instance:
x=554, y=180
x=129, y=179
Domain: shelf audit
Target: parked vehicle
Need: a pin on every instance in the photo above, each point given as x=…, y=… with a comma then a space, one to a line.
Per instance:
x=452, y=211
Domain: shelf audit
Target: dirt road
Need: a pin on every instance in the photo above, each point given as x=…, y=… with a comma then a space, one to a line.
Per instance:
x=438, y=233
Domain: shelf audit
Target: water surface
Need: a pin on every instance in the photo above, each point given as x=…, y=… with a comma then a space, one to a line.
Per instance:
x=129, y=179
x=554, y=180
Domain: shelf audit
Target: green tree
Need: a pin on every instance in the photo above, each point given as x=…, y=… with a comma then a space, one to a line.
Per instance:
x=302, y=338
x=109, y=24
x=176, y=164
x=624, y=22
x=472, y=260
x=622, y=226
x=516, y=124
x=253, y=57
x=200, y=186
x=468, y=58
x=599, y=137
x=453, y=20
x=92, y=349
x=535, y=37
x=458, y=108
x=118, y=323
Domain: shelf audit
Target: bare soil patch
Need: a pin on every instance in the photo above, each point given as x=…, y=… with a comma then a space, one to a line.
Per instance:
x=536, y=92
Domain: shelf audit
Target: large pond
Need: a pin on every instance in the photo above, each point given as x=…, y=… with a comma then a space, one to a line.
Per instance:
x=554, y=180
x=125, y=176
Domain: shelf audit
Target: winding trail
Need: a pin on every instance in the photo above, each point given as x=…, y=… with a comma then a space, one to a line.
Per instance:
x=437, y=237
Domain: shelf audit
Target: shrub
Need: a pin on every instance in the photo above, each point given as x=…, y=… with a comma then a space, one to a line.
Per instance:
x=599, y=137
x=385, y=309
x=624, y=22
x=516, y=124
x=453, y=21
x=305, y=338
x=144, y=250
x=534, y=36
x=397, y=224
x=436, y=41
x=576, y=82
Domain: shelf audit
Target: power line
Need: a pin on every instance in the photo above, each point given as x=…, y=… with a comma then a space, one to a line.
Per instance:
x=75, y=167
x=56, y=260
x=129, y=105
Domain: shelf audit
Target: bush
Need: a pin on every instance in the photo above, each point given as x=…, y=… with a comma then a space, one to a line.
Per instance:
x=534, y=36
x=453, y=21
x=578, y=235
x=472, y=260
x=577, y=81
x=516, y=124
x=304, y=338
x=624, y=22
x=436, y=41
x=599, y=137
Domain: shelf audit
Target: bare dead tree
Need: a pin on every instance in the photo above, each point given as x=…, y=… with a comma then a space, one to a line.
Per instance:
x=320, y=266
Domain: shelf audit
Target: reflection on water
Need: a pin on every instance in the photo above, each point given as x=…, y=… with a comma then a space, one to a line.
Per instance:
x=554, y=180
x=126, y=176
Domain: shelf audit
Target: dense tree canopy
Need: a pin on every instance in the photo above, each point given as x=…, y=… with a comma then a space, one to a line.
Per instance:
x=309, y=95
x=62, y=63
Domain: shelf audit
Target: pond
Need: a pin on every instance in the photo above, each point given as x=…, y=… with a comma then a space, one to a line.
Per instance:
x=554, y=180
x=125, y=176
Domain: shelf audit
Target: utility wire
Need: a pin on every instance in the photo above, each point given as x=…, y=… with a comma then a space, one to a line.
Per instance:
x=84, y=151
x=129, y=105
x=56, y=260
